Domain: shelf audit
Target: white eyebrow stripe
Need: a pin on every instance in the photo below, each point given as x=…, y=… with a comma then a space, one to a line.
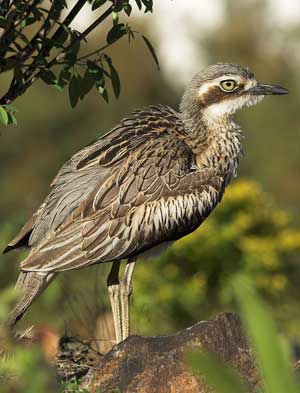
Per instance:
x=205, y=87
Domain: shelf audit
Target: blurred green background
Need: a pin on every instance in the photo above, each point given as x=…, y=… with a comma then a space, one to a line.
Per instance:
x=255, y=229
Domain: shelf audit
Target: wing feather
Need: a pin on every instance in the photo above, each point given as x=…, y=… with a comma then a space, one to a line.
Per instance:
x=143, y=191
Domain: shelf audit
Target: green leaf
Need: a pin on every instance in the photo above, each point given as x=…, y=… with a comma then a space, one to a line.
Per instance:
x=3, y=116
x=116, y=32
x=216, y=374
x=139, y=3
x=10, y=107
x=127, y=8
x=57, y=87
x=148, y=4
x=276, y=371
x=115, y=79
x=97, y=3
x=96, y=72
x=30, y=20
x=115, y=18
x=63, y=36
x=152, y=51
x=64, y=77
x=71, y=55
x=74, y=91
x=12, y=119
x=86, y=84
x=47, y=76
x=103, y=93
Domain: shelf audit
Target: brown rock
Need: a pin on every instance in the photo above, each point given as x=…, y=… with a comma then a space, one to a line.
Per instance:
x=156, y=364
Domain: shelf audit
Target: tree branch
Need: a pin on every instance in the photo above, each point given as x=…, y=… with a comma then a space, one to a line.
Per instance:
x=69, y=19
x=15, y=91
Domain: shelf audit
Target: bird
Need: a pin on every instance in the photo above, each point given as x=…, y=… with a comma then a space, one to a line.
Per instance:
x=152, y=179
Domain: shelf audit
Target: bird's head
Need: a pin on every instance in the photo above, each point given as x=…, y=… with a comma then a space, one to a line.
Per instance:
x=221, y=89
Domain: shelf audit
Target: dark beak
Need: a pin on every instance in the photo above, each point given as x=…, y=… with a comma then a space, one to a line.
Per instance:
x=264, y=90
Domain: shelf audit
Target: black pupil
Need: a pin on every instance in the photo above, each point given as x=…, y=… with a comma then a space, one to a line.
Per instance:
x=228, y=84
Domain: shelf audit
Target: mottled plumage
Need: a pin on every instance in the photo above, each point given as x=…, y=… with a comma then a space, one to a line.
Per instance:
x=152, y=179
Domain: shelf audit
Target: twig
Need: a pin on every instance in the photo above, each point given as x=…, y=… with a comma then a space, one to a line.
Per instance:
x=15, y=91
x=69, y=18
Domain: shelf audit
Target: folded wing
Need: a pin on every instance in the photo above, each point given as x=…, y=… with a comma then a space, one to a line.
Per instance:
x=133, y=189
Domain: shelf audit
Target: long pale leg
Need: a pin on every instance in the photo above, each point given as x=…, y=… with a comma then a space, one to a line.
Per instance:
x=113, y=286
x=125, y=292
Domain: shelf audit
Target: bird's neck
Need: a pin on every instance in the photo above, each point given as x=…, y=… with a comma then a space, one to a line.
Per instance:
x=215, y=141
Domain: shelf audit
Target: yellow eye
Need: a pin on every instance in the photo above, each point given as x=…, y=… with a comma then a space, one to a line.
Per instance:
x=228, y=85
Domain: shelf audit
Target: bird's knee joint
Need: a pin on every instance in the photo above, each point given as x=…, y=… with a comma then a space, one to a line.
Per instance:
x=113, y=290
x=126, y=289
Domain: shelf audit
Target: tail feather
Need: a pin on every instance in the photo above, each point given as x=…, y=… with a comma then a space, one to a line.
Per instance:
x=29, y=285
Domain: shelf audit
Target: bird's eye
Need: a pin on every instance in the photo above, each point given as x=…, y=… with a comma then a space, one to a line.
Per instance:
x=228, y=85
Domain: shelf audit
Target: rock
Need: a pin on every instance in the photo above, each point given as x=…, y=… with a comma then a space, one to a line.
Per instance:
x=156, y=364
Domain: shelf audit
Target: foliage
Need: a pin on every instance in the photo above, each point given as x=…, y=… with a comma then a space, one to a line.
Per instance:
x=273, y=359
x=38, y=41
x=73, y=386
x=22, y=369
x=246, y=233
x=25, y=368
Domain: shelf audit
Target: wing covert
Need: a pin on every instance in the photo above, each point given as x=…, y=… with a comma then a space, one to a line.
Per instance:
x=154, y=196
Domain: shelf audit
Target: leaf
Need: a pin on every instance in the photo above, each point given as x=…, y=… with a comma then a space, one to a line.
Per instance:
x=276, y=371
x=127, y=8
x=71, y=55
x=64, y=77
x=216, y=374
x=86, y=84
x=63, y=35
x=139, y=3
x=30, y=20
x=152, y=51
x=10, y=107
x=115, y=18
x=103, y=93
x=96, y=72
x=97, y=3
x=47, y=76
x=116, y=32
x=57, y=87
x=148, y=4
x=74, y=91
x=12, y=119
x=115, y=79
x=3, y=116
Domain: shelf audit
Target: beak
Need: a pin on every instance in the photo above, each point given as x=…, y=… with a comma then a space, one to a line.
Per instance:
x=264, y=90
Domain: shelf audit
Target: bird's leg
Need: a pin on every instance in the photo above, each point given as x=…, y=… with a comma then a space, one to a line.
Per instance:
x=113, y=286
x=125, y=292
